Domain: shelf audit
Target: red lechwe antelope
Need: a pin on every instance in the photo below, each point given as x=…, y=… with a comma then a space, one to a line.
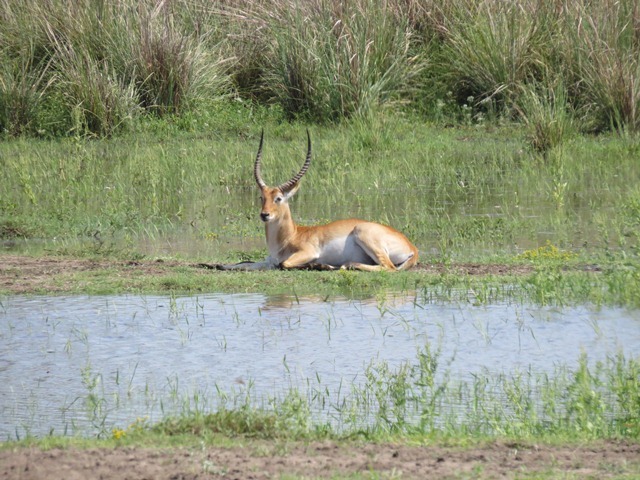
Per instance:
x=354, y=244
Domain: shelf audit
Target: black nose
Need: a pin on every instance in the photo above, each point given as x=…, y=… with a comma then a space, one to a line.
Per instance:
x=264, y=216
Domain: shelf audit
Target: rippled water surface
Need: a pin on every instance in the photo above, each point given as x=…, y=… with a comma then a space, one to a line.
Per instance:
x=82, y=364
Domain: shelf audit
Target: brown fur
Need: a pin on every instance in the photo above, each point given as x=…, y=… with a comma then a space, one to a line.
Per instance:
x=299, y=246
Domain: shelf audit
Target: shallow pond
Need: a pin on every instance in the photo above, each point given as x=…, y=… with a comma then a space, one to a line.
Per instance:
x=84, y=364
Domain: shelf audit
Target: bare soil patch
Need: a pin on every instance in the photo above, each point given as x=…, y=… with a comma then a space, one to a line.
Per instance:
x=325, y=460
x=23, y=274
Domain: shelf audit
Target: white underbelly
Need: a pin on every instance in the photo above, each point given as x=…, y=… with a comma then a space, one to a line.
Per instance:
x=343, y=250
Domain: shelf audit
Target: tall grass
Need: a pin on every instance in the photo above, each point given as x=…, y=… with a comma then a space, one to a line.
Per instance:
x=97, y=101
x=329, y=60
x=99, y=65
x=602, y=52
x=324, y=60
x=546, y=112
x=492, y=48
x=175, y=65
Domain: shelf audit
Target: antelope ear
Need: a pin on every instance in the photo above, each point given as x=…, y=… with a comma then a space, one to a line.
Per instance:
x=291, y=191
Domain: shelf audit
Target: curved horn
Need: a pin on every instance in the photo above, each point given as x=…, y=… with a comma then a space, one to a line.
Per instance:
x=256, y=167
x=285, y=187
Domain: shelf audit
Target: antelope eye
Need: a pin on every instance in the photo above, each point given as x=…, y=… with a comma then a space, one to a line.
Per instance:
x=278, y=199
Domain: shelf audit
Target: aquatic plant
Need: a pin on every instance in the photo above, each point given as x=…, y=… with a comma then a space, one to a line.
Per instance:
x=421, y=399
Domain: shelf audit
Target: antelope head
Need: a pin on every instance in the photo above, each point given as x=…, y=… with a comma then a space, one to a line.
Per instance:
x=275, y=207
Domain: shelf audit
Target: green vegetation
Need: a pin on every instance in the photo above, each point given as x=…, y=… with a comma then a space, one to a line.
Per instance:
x=549, y=282
x=470, y=194
x=128, y=131
x=416, y=400
x=87, y=68
x=420, y=399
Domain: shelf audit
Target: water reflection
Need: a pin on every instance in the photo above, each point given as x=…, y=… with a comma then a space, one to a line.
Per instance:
x=81, y=364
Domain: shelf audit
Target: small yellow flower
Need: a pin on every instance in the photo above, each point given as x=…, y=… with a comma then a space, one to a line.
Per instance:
x=118, y=433
x=546, y=252
x=139, y=424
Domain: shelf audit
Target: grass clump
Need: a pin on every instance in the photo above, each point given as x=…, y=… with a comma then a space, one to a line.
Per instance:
x=244, y=422
x=334, y=60
x=87, y=68
x=547, y=115
x=97, y=102
x=601, y=50
x=286, y=417
x=491, y=48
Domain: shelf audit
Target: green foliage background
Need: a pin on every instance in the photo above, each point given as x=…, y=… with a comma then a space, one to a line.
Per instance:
x=99, y=67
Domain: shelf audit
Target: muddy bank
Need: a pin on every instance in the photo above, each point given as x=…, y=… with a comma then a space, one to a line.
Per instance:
x=259, y=460
x=22, y=274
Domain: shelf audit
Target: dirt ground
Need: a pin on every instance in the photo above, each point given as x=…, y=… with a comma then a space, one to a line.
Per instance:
x=327, y=460
x=260, y=460
x=22, y=274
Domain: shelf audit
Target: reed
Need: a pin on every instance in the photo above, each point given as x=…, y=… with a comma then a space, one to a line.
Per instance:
x=600, y=47
x=491, y=49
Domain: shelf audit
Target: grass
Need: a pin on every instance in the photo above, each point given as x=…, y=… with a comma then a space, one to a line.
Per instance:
x=415, y=401
x=478, y=194
x=548, y=282
x=337, y=62
x=120, y=62
x=456, y=193
x=97, y=74
x=467, y=195
x=128, y=135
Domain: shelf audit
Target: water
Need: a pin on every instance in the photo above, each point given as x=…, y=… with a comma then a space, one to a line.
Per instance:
x=84, y=364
